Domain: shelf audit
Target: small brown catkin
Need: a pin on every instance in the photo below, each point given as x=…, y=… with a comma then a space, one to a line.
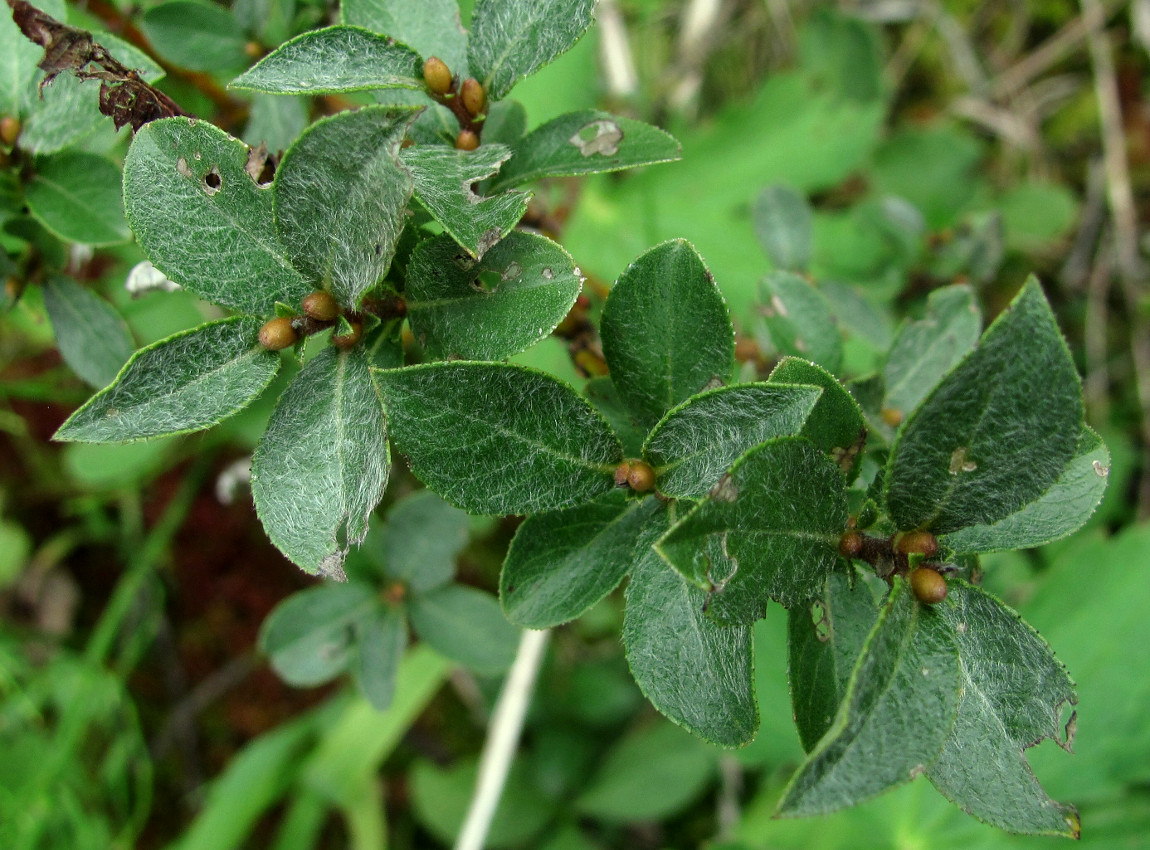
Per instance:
x=473, y=97
x=348, y=340
x=917, y=543
x=278, y=334
x=641, y=478
x=321, y=306
x=850, y=544
x=928, y=585
x=466, y=141
x=437, y=75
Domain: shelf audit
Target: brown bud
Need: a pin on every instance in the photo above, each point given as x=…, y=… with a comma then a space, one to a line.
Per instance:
x=253, y=50
x=347, y=340
x=850, y=544
x=622, y=473
x=466, y=141
x=278, y=334
x=746, y=349
x=928, y=585
x=321, y=306
x=917, y=543
x=891, y=416
x=473, y=97
x=641, y=478
x=9, y=130
x=437, y=75
x=13, y=289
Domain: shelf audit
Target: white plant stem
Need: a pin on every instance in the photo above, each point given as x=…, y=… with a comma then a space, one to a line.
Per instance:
x=502, y=739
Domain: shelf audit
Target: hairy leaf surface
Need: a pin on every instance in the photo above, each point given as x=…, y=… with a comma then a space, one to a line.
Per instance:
x=836, y=424
x=340, y=194
x=585, y=142
x=666, y=333
x=996, y=433
x=499, y=439
x=696, y=443
x=897, y=712
x=1012, y=691
x=431, y=27
x=322, y=464
x=443, y=179
x=512, y=38
x=491, y=308
x=562, y=562
x=926, y=349
x=183, y=383
x=768, y=529
x=202, y=219
x=334, y=59
x=698, y=673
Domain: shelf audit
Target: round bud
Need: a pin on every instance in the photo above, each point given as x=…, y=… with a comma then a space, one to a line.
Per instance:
x=9, y=129
x=928, y=585
x=473, y=97
x=466, y=141
x=891, y=417
x=437, y=75
x=253, y=50
x=321, y=306
x=746, y=349
x=850, y=544
x=641, y=478
x=622, y=473
x=347, y=340
x=917, y=543
x=278, y=334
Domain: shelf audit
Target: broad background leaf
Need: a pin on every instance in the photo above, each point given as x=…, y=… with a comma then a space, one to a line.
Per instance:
x=465, y=625
x=91, y=336
x=308, y=637
x=782, y=220
x=419, y=541
x=196, y=35
x=431, y=27
x=78, y=197
x=799, y=320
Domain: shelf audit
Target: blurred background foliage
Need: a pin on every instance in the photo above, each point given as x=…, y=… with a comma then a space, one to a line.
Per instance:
x=936, y=141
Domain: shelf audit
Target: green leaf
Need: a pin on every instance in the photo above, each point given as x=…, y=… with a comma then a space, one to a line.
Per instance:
x=836, y=424
x=465, y=625
x=196, y=35
x=799, y=320
x=275, y=121
x=1060, y=511
x=183, y=383
x=380, y=640
x=334, y=59
x=561, y=563
x=782, y=220
x=322, y=464
x=897, y=712
x=499, y=439
x=1012, y=689
x=91, y=336
x=585, y=142
x=996, y=433
x=419, y=542
x=666, y=333
x=443, y=179
x=601, y=392
x=309, y=636
x=769, y=529
x=202, y=219
x=77, y=196
x=342, y=177
x=18, y=63
x=431, y=27
x=492, y=308
x=927, y=349
x=696, y=443
x=649, y=775
x=699, y=674
x=823, y=641
x=511, y=39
